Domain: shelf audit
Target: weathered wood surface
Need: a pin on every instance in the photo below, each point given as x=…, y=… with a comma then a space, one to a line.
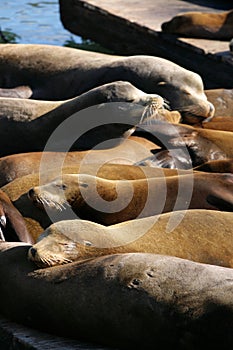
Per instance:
x=134, y=27
x=17, y=337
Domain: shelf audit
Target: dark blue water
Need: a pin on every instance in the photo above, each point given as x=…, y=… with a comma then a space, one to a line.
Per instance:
x=35, y=22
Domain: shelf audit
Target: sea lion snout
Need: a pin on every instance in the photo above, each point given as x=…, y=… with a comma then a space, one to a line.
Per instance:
x=32, y=252
x=54, y=250
x=31, y=193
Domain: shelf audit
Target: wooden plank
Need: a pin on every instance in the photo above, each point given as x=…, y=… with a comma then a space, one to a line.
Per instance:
x=134, y=27
x=17, y=337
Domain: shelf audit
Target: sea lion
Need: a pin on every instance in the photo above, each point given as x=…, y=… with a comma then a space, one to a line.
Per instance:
x=17, y=92
x=219, y=123
x=129, y=301
x=59, y=73
x=12, y=224
x=89, y=128
x=28, y=110
x=203, y=145
x=76, y=240
x=208, y=25
x=172, y=159
x=216, y=166
x=222, y=99
x=13, y=166
x=37, y=220
x=112, y=201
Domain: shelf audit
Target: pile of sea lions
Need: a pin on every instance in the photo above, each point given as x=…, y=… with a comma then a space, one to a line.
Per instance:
x=116, y=199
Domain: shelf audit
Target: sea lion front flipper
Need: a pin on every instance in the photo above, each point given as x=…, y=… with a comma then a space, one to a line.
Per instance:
x=11, y=219
x=16, y=220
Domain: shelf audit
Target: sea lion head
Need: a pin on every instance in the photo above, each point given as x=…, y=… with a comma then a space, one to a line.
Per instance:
x=138, y=104
x=187, y=96
x=179, y=24
x=56, y=248
x=63, y=191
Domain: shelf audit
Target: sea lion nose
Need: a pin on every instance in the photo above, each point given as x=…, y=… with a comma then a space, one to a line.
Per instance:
x=33, y=252
x=31, y=193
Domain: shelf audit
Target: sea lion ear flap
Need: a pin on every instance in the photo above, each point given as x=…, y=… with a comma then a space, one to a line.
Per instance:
x=83, y=184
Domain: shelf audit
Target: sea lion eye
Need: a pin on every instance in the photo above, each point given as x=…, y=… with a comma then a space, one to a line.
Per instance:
x=87, y=243
x=62, y=186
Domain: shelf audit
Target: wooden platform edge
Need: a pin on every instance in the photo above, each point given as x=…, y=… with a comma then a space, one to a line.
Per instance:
x=129, y=38
x=14, y=336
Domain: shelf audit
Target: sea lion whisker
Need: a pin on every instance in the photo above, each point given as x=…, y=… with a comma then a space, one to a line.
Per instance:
x=3, y=220
x=2, y=238
x=48, y=202
x=149, y=111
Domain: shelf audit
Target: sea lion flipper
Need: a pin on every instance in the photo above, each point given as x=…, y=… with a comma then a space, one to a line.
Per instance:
x=18, y=224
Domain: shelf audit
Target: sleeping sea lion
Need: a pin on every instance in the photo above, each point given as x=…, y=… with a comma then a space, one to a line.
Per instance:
x=192, y=239
x=60, y=73
x=112, y=201
x=208, y=25
x=125, y=301
x=133, y=148
x=88, y=128
x=37, y=220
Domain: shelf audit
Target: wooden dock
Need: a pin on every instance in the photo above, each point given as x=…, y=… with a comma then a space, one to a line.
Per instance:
x=14, y=336
x=134, y=27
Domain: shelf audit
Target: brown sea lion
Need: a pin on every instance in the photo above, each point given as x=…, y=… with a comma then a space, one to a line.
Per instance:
x=222, y=99
x=60, y=73
x=112, y=201
x=78, y=127
x=132, y=149
x=172, y=159
x=17, y=92
x=37, y=220
x=216, y=166
x=129, y=301
x=73, y=240
x=208, y=25
x=203, y=145
x=219, y=123
x=12, y=224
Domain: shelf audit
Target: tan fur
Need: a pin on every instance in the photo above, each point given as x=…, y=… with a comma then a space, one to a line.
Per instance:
x=110, y=201
x=37, y=220
x=59, y=73
x=209, y=25
x=217, y=166
x=202, y=235
x=222, y=99
x=142, y=299
x=219, y=123
x=17, y=165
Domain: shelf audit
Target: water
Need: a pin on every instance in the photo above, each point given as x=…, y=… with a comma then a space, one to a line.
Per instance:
x=34, y=22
